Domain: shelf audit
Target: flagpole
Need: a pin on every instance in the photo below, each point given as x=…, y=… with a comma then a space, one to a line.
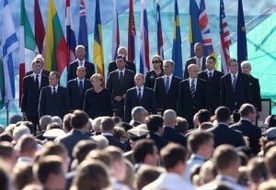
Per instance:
x=8, y=116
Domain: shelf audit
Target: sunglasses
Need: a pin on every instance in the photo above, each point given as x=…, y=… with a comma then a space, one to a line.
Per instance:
x=154, y=62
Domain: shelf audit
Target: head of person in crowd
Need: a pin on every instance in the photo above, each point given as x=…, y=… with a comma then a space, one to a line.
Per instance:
x=210, y=63
x=155, y=124
x=97, y=125
x=15, y=118
x=207, y=172
x=198, y=49
x=50, y=173
x=58, y=120
x=270, y=121
x=246, y=67
x=101, y=155
x=79, y=120
x=145, y=152
x=117, y=119
x=39, y=58
x=130, y=174
x=28, y=124
x=168, y=67
x=108, y=125
x=248, y=111
x=126, y=126
x=8, y=155
x=81, y=72
x=23, y=175
x=204, y=115
x=122, y=51
x=5, y=137
x=97, y=81
x=119, y=133
x=223, y=114
x=101, y=141
x=157, y=63
x=66, y=124
x=19, y=131
x=44, y=121
x=80, y=52
x=270, y=158
x=181, y=125
x=138, y=113
x=169, y=117
x=54, y=78
x=205, y=126
x=27, y=148
x=36, y=65
x=137, y=133
x=232, y=65
x=193, y=71
x=139, y=80
x=121, y=62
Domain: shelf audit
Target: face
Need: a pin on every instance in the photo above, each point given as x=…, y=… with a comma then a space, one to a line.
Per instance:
x=252, y=116
x=246, y=69
x=210, y=64
x=156, y=63
x=81, y=72
x=168, y=68
x=96, y=83
x=139, y=80
x=53, y=80
x=37, y=67
x=233, y=67
x=80, y=53
x=122, y=51
x=198, y=50
x=193, y=71
x=120, y=62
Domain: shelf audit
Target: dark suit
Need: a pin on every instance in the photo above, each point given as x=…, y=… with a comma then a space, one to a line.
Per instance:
x=213, y=88
x=113, y=66
x=188, y=106
x=43, y=72
x=231, y=98
x=53, y=104
x=75, y=98
x=225, y=135
x=159, y=141
x=172, y=135
x=30, y=97
x=112, y=141
x=255, y=92
x=193, y=61
x=151, y=77
x=118, y=88
x=164, y=100
x=253, y=132
x=72, y=68
x=148, y=101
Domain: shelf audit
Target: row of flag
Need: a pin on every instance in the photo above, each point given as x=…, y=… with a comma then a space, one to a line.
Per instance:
x=58, y=48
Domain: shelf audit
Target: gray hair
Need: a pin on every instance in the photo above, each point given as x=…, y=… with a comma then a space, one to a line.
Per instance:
x=20, y=131
x=169, y=115
x=97, y=124
x=137, y=111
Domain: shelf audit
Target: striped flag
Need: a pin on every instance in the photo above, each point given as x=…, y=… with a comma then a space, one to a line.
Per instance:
x=144, y=50
x=2, y=81
x=83, y=37
x=241, y=39
x=115, y=31
x=39, y=28
x=10, y=43
x=225, y=39
x=160, y=42
x=56, y=57
x=27, y=47
x=131, y=34
x=177, y=52
x=69, y=32
x=98, y=41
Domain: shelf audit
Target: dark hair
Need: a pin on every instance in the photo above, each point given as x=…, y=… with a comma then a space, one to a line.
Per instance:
x=198, y=138
x=154, y=122
x=223, y=114
x=246, y=109
x=79, y=119
x=142, y=148
x=123, y=57
x=107, y=124
x=203, y=115
x=211, y=57
x=82, y=148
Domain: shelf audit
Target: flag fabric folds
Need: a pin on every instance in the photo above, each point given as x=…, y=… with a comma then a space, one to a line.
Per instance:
x=144, y=50
x=115, y=32
x=131, y=34
x=225, y=39
x=98, y=41
x=176, y=51
x=69, y=32
x=241, y=38
x=2, y=83
x=56, y=56
x=194, y=30
x=39, y=28
x=83, y=37
x=160, y=41
x=10, y=43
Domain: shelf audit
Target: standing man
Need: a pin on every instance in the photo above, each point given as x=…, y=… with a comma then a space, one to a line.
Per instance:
x=40, y=59
x=166, y=87
x=212, y=77
x=192, y=95
x=139, y=96
x=129, y=65
x=198, y=59
x=80, y=61
x=32, y=84
x=77, y=87
x=118, y=82
x=53, y=99
x=254, y=86
x=235, y=87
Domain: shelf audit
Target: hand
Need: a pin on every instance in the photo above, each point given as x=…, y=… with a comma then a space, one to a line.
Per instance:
x=118, y=98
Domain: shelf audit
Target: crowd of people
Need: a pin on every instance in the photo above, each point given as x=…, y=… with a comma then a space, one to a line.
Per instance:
x=153, y=131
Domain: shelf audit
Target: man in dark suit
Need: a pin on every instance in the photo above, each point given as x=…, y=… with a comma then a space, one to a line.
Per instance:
x=77, y=87
x=118, y=82
x=222, y=133
x=235, y=87
x=129, y=65
x=192, y=95
x=53, y=99
x=139, y=96
x=254, y=85
x=246, y=126
x=198, y=59
x=39, y=58
x=212, y=78
x=31, y=88
x=166, y=87
x=80, y=61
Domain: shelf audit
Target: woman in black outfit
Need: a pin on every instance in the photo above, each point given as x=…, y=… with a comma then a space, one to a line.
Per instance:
x=157, y=65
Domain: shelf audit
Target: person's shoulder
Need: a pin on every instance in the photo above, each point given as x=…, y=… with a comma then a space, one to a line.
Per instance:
x=189, y=60
x=176, y=78
x=73, y=63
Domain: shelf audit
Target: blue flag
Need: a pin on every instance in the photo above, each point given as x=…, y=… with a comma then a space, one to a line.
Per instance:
x=83, y=38
x=241, y=39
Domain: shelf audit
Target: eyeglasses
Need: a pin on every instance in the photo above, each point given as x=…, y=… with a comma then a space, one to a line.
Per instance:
x=154, y=62
x=166, y=66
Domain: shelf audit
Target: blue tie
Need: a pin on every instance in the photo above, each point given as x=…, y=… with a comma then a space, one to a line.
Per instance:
x=80, y=87
x=167, y=84
x=139, y=94
x=234, y=82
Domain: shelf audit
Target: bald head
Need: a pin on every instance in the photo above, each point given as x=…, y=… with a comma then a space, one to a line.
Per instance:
x=193, y=71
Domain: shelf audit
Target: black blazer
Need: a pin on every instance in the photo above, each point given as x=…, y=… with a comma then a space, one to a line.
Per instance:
x=148, y=101
x=115, y=142
x=242, y=93
x=53, y=105
x=193, y=61
x=112, y=66
x=72, y=68
x=164, y=100
x=151, y=76
x=172, y=135
x=44, y=72
x=75, y=98
x=255, y=92
x=213, y=88
x=159, y=141
x=30, y=94
x=188, y=106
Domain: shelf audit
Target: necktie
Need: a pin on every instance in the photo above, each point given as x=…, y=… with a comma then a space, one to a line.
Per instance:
x=37, y=81
x=234, y=82
x=80, y=87
x=139, y=94
x=167, y=84
x=193, y=89
x=54, y=91
x=210, y=76
x=198, y=65
x=121, y=78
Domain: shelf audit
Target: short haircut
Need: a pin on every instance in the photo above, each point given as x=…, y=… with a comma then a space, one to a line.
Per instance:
x=121, y=57
x=67, y=122
x=22, y=175
x=169, y=61
x=172, y=154
x=82, y=148
x=231, y=60
x=102, y=155
x=211, y=57
x=55, y=73
x=224, y=155
x=57, y=119
x=79, y=119
x=147, y=174
x=19, y=131
x=142, y=148
x=198, y=138
x=137, y=111
x=181, y=125
x=245, y=63
x=52, y=148
x=79, y=46
x=257, y=170
x=223, y=114
x=28, y=124
x=154, y=122
x=246, y=109
x=107, y=124
x=26, y=143
x=6, y=150
x=204, y=115
x=101, y=141
x=115, y=152
x=44, y=121
x=97, y=124
x=169, y=115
